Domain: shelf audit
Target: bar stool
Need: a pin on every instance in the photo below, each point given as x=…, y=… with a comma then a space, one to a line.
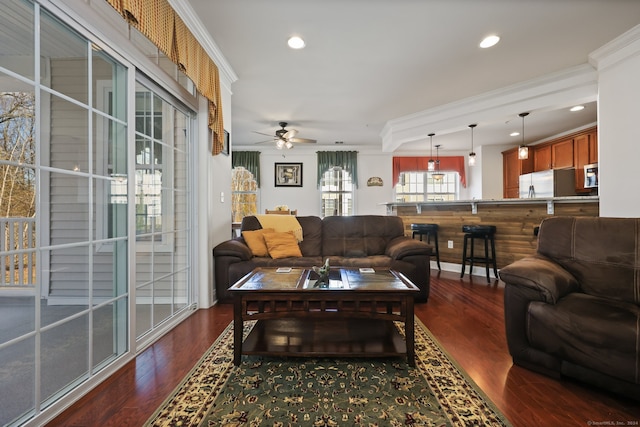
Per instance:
x=486, y=233
x=427, y=230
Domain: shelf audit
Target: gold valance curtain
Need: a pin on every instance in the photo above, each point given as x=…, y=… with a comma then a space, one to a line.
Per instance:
x=157, y=20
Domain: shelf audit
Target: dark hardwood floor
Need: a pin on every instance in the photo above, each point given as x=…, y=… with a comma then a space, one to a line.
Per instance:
x=465, y=315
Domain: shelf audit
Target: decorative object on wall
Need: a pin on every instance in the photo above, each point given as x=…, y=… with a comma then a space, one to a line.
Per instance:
x=523, y=150
x=226, y=149
x=374, y=181
x=288, y=175
x=472, y=154
x=437, y=175
x=431, y=166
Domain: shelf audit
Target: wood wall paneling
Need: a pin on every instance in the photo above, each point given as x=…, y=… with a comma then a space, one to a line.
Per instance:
x=515, y=223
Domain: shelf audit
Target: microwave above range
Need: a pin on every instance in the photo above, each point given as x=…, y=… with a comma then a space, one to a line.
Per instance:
x=591, y=175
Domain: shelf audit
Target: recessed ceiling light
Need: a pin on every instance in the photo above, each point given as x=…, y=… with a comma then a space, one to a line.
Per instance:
x=577, y=108
x=295, y=42
x=514, y=134
x=489, y=41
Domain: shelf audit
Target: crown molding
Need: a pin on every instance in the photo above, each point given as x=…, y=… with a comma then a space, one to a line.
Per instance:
x=568, y=86
x=619, y=49
x=195, y=25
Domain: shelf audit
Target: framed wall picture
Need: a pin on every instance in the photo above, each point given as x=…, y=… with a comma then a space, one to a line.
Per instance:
x=288, y=175
x=225, y=147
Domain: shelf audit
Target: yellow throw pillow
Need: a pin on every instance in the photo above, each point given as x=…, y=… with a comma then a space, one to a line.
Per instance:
x=282, y=245
x=255, y=241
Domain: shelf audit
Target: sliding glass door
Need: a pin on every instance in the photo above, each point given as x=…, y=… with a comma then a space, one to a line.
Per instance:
x=95, y=209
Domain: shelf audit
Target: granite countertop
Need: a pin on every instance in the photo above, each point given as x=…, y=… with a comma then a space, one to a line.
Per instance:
x=565, y=199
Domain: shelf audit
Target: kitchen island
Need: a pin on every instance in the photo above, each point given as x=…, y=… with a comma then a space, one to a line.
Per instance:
x=515, y=220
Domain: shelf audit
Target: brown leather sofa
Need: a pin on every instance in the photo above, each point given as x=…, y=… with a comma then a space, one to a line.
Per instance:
x=348, y=241
x=573, y=308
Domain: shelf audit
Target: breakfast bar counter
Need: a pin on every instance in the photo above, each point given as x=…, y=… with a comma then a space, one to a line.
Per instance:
x=515, y=220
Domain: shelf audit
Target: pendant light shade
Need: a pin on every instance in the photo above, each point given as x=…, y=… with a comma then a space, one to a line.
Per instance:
x=523, y=150
x=472, y=154
x=431, y=165
x=437, y=175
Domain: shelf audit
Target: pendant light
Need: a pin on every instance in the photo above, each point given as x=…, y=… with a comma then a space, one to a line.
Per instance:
x=523, y=150
x=431, y=165
x=472, y=155
x=437, y=175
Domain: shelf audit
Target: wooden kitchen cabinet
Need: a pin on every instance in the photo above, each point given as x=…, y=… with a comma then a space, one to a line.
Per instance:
x=593, y=147
x=562, y=154
x=585, y=148
x=512, y=168
x=542, y=158
x=569, y=151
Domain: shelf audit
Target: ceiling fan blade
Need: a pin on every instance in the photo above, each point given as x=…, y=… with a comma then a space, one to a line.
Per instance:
x=260, y=133
x=264, y=142
x=303, y=140
x=291, y=133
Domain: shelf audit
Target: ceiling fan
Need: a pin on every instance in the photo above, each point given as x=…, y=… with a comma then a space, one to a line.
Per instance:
x=285, y=138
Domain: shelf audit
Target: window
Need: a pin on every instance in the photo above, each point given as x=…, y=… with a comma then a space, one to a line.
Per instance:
x=420, y=187
x=337, y=191
x=244, y=194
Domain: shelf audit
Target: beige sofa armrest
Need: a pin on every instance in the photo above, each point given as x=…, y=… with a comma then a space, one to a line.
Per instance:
x=541, y=274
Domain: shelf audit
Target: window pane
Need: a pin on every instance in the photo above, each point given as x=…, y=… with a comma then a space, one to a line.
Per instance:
x=110, y=77
x=69, y=204
x=143, y=110
x=65, y=356
x=144, y=308
x=148, y=202
x=65, y=53
x=68, y=138
x=17, y=386
x=162, y=299
x=337, y=193
x=244, y=194
x=17, y=122
x=16, y=38
x=109, y=332
x=68, y=282
x=181, y=289
x=109, y=147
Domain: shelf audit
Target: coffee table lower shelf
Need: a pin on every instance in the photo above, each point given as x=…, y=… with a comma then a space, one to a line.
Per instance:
x=325, y=338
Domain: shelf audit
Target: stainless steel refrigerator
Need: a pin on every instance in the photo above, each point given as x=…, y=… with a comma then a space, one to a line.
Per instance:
x=549, y=183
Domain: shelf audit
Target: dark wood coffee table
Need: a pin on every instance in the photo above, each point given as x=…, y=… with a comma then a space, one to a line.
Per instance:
x=354, y=316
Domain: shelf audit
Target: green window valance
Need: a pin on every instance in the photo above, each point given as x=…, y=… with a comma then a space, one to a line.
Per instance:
x=249, y=160
x=347, y=160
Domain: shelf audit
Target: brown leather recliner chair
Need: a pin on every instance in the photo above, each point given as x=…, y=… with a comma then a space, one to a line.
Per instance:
x=573, y=308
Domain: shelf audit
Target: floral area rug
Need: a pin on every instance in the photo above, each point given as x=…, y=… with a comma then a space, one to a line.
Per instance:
x=270, y=391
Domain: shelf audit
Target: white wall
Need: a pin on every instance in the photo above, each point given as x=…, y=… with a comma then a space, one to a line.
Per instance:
x=492, y=177
x=306, y=199
x=369, y=199
x=483, y=180
x=214, y=196
x=618, y=65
